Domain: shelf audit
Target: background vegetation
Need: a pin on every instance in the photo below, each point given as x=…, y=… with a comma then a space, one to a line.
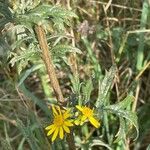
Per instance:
x=100, y=50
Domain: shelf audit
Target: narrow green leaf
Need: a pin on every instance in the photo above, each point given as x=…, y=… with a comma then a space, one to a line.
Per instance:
x=140, y=50
x=104, y=87
x=60, y=50
x=28, y=134
x=121, y=135
x=87, y=89
x=20, y=146
x=4, y=9
x=28, y=72
x=37, y=101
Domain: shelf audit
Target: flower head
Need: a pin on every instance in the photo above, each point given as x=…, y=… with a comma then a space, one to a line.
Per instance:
x=60, y=123
x=87, y=114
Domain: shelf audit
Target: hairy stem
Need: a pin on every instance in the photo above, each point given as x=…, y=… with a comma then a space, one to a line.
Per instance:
x=52, y=75
x=48, y=63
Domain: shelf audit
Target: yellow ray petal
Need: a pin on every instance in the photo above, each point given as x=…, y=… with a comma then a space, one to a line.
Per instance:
x=83, y=118
x=67, y=114
x=55, y=134
x=94, y=122
x=59, y=110
x=77, y=122
x=68, y=123
x=61, y=133
x=49, y=127
x=66, y=129
x=54, y=110
x=79, y=107
x=51, y=131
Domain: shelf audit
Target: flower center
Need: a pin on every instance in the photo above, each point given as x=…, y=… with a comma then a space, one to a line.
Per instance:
x=87, y=112
x=58, y=120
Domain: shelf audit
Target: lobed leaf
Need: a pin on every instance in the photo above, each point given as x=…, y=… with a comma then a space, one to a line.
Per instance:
x=60, y=50
x=104, y=87
x=120, y=110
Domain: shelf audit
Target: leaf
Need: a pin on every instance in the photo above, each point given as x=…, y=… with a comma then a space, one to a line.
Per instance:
x=141, y=46
x=97, y=142
x=56, y=14
x=18, y=43
x=5, y=15
x=26, y=55
x=20, y=146
x=28, y=134
x=87, y=89
x=60, y=50
x=126, y=102
x=4, y=47
x=143, y=114
x=148, y=147
x=105, y=86
x=121, y=135
x=5, y=145
x=37, y=101
x=120, y=110
x=28, y=72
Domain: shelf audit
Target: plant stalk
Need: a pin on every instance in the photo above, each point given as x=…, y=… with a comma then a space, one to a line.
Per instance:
x=48, y=63
x=41, y=35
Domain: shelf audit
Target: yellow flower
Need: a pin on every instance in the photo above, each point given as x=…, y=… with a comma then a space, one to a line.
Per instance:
x=60, y=123
x=87, y=114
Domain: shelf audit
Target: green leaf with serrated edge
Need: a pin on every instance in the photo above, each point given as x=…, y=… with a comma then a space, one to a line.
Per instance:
x=61, y=49
x=87, y=89
x=126, y=102
x=57, y=14
x=121, y=135
x=97, y=142
x=18, y=43
x=104, y=86
x=120, y=112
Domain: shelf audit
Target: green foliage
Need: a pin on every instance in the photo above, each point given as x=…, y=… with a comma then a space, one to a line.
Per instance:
x=37, y=101
x=30, y=52
x=28, y=72
x=43, y=13
x=60, y=50
x=27, y=133
x=5, y=15
x=104, y=87
x=119, y=31
x=5, y=143
x=120, y=109
x=148, y=148
x=87, y=89
x=24, y=57
x=97, y=142
x=140, y=51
